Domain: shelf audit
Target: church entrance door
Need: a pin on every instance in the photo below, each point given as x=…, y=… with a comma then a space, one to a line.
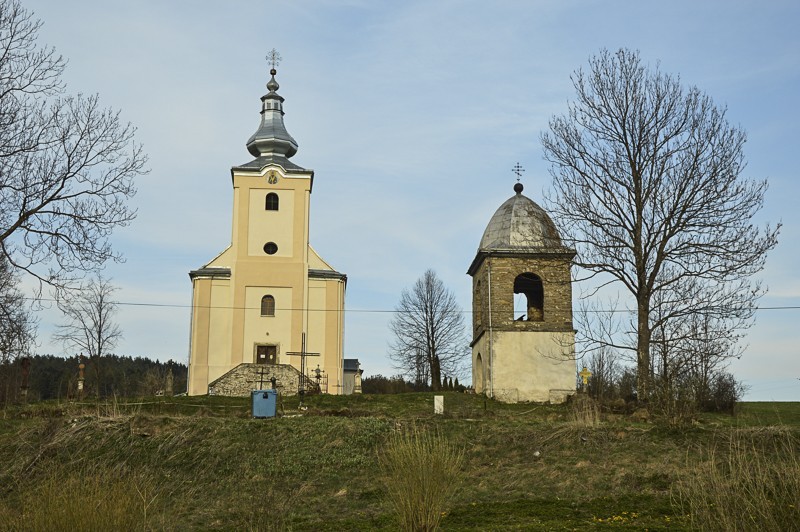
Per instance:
x=266, y=354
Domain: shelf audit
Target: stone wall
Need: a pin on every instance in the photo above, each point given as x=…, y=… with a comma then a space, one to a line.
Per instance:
x=554, y=270
x=244, y=378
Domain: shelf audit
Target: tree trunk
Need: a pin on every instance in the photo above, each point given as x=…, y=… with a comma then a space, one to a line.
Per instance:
x=436, y=374
x=643, y=352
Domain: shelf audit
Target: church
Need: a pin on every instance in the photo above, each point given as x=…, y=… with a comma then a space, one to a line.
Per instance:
x=523, y=341
x=268, y=305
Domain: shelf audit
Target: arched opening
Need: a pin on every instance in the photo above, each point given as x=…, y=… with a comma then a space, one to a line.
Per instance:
x=272, y=202
x=267, y=306
x=480, y=379
x=530, y=285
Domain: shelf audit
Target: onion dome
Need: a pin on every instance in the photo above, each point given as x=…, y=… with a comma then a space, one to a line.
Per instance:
x=520, y=224
x=272, y=139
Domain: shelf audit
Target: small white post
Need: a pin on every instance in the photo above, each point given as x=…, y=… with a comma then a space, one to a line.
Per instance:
x=438, y=404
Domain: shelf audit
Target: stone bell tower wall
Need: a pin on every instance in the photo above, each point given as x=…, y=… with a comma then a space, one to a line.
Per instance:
x=553, y=269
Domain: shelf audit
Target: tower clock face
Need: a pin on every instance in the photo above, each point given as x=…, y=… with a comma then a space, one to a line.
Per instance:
x=272, y=177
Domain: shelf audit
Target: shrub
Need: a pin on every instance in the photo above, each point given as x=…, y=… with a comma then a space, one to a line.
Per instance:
x=421, y=473
x=723, y=394
x=753, y=485
x=627, y=385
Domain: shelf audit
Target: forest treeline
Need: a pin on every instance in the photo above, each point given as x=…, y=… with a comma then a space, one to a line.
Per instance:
x=53, y=377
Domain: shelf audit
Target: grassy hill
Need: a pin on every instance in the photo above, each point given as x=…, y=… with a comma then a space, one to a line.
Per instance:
x=203, y=464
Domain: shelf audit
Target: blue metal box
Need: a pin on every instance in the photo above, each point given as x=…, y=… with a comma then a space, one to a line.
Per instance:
x=264, y=402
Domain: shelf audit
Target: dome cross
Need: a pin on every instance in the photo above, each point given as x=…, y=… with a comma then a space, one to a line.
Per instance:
x=518, y=169
x=273, y=58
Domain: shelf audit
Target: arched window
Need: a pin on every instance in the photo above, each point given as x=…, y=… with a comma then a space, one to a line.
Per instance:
x=530, y=285
x=267, y=306
x=272, y=202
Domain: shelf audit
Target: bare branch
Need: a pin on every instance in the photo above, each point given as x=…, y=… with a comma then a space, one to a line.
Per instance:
x=67, y=165
x=17, y=324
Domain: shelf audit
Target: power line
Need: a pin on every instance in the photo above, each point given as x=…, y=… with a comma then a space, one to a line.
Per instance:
x=376, y=311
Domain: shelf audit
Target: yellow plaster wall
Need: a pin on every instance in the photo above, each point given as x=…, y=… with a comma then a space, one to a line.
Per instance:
x=248, y=284
x=335, y=327
x=292, y=217
x=528, y=365
x=316, y=262
x=223, y=260
x=271, y=226
x=219, y=332
x=235, y=224
x=198, y=355
x=268, y=330
x=288, y=228
x=210, y=332
x=325, y=328
x=316, y=319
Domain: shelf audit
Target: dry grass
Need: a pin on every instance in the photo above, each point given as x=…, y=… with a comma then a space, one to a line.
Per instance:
x=584, y=412
x=86, y=501
x=526, y=467
x=270, y=508
x=421, y=473
x=752, y=484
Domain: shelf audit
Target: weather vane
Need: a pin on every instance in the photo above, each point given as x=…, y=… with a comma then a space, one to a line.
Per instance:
x=274, y=58
x=518, y=169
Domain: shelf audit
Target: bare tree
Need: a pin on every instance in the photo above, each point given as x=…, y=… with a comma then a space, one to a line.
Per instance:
x=90, y=327
x=605, y=373
x=17, y=324
x=17, y=329
x=429, y=332
x=648, y=188
x=66, y=164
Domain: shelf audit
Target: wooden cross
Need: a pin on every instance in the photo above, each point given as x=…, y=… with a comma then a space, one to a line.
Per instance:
x=302, y=354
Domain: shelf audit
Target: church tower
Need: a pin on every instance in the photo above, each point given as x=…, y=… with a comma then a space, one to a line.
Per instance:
x=268, y=296
x=523, y=346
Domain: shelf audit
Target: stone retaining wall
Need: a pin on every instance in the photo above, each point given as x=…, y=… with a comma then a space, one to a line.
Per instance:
x=245, y=378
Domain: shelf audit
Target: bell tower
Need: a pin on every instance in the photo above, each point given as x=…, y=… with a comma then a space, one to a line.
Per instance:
x=523, y=346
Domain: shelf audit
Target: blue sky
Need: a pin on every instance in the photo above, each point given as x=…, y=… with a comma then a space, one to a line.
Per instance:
x=412, y=115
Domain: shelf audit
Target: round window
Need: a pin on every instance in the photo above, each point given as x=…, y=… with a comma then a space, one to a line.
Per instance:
x=270, y=248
